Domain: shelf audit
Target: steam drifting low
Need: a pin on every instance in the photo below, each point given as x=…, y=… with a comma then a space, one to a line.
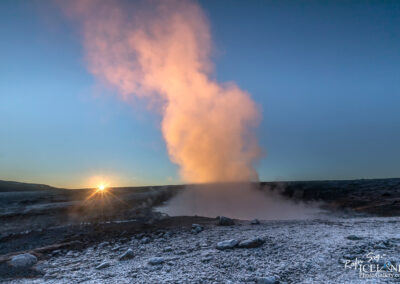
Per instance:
x=160, y=51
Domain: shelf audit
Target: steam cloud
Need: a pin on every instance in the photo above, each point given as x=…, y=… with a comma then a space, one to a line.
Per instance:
x=238, y=200
x=161, y=51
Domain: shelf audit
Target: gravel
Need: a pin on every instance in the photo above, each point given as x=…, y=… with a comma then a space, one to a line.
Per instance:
x=267, y=280
x=306, y=251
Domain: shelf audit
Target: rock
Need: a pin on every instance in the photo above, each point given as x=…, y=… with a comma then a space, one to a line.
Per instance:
x=102, y=245
x=168, y=249
x=156, y=260
x=127, y=255
x=252, y=243
x=225, y=221
x=102, y=265
x=139, y=236
x=145, y=240
x=255, y=222
x=207, y=258
x=380, y=245
x=50, y=275
x=181, y=252
x=267, y=280
x=108, y=275
x=196, y=228
x=116, y=248
x=167, y=235
x=41, y=267
x=228, y=244
x=24, y=260
x=354, y=238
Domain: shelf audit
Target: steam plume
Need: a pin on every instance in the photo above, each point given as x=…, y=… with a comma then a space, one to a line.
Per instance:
x=161, y=51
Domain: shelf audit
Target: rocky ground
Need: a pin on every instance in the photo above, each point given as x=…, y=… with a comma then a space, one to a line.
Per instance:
x=50, y=235
x=374, y=196
x=306, y=251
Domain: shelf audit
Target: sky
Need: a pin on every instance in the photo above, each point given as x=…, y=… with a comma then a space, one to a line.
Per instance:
x=326, y=75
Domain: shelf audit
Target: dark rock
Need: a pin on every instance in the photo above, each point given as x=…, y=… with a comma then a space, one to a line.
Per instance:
x=354, y=238
x=156, y=260
x=225, y=221
x=267, y=280
x=168, y=249
x=382, y=245
x=252, y=243
x=116, y=248
x=25, y=260
x=139, y=236
x=228, y=244
x=207, y=258
x=255, y=222
x=127, y=255
x=196, y=228
x=145, y=240
x=167, y=235
x=100, y=245
x=102, y=265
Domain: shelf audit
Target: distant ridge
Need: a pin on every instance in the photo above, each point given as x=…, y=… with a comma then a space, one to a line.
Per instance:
x=7, y=186
x=15, y=186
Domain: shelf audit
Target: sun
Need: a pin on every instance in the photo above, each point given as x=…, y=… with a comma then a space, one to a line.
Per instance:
x=101, y=187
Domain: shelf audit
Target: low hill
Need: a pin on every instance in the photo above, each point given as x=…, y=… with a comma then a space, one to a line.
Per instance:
x=13, y=186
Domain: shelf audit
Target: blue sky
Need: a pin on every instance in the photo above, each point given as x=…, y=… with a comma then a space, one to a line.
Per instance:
x=325, y=73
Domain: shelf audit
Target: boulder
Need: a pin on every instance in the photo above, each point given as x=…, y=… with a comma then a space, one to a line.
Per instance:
x=225, y=221
x=127, y=255
x=145, y=240
x=196, y=228
x=24, y=260
x=255, y=222
x=168, y=249
x=156, y=260
x=102, y=265
x=354, y=238
x=252, y=243
x=228, y=244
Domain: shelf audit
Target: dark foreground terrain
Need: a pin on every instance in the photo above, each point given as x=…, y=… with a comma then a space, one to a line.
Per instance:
x=71, y=235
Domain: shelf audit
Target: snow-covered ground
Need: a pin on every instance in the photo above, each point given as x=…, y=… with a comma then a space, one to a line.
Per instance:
x=303, y=251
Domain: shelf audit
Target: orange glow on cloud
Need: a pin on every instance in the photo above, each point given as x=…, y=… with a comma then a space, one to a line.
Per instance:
x=160, y=50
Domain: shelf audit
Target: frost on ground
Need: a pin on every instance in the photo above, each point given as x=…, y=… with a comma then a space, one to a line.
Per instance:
x=304, y=251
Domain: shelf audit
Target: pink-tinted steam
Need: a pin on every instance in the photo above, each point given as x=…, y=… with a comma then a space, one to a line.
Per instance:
x=160, y=50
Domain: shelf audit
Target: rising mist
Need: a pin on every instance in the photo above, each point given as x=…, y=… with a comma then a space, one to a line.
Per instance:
x=161, y=51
